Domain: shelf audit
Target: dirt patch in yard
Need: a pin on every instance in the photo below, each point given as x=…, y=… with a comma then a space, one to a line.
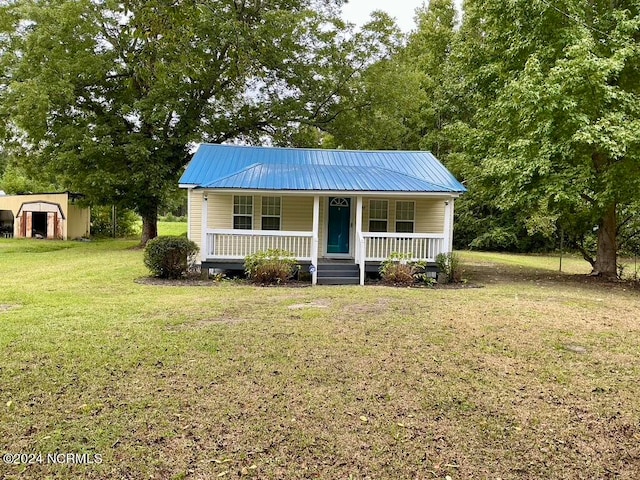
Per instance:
x=224, y=319
x=380, y=306
x=8, y=308
x=302, y=306
x=191, y=281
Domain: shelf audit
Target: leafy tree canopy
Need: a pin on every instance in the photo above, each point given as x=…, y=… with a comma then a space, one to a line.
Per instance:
x=111, y=96
x=553, y=135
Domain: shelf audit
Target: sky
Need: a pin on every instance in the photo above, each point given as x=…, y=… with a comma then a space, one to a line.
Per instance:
x=358, y=11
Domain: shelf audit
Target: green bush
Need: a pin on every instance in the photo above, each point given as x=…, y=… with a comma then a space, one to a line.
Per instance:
x=168, y=256
x=449, y=268
x=270, y=266
x=170, y=217
x=127, y=222
x=399, y=270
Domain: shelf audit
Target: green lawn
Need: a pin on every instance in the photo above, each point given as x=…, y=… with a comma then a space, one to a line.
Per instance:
x=535, y=375
x=172, y=228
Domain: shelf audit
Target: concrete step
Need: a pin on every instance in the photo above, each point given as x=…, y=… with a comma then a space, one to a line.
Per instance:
x=340, y=266
x=338, y=280
x=338, y=273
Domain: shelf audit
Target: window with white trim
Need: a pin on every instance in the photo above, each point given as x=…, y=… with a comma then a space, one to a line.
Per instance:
x=378, y=215
x=242, y=212
x=271, y=213
x=405, y=217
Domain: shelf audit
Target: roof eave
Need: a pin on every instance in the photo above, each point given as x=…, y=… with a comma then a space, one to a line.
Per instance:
x=449, y=194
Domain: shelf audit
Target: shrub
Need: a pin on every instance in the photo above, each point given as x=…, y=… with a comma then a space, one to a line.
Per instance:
x=168, y=256
x=127, y=222
x=171, y=218
x=449, y=267
x=270, y=266
x=399, y=270
x=496, y=239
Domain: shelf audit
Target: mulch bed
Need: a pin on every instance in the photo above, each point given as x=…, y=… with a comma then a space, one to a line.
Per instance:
x=198, y=281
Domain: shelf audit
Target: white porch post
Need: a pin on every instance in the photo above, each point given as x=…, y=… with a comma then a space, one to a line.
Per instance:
x=448, y=225
x=315, y=240
x=359, y=252
x=203, y=247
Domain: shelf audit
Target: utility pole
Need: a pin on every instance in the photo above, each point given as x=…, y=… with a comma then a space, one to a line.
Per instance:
x=561, y=246
x=113, y=221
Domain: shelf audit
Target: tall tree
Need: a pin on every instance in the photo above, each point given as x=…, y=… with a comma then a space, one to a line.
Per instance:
x=428, y=51
x=111, y=95
x=379, y=108
x=3, y=163
x=399, y=102
x=555, y=130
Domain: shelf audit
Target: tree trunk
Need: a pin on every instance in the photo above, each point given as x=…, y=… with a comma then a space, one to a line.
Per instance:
x=149, y=225
x=607, y=256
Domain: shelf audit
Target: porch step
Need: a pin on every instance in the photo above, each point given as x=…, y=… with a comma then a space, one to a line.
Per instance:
x=338, y=274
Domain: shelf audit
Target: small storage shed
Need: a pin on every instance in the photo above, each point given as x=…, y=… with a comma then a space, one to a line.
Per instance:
x=44, y=215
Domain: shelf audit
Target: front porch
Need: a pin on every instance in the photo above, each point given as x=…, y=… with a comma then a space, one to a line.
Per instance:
x=337, y=234
x=227, y=249
x=339, y=231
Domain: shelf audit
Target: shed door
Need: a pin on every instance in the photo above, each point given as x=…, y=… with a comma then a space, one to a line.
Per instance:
x=339, y=225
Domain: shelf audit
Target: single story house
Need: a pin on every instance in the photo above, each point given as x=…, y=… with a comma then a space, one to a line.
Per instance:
x=44, y=215
x=340, y=212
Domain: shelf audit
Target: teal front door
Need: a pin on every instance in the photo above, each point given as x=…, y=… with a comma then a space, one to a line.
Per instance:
x=339, y=223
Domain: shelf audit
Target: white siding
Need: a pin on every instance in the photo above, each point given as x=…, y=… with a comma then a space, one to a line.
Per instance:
x=322, y=227
x=195, y=216
x=220, y=211
x=429, y=214
x=297, y=214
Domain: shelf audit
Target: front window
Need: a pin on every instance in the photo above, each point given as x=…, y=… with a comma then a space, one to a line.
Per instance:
x=378, y=215
x=242, y=212
x=405, y=217
x=271, y=213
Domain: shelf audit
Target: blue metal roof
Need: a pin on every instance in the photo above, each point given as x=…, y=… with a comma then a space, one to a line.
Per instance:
x=299, y=169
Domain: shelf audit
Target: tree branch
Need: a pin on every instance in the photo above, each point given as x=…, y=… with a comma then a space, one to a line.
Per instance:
x=584, y=252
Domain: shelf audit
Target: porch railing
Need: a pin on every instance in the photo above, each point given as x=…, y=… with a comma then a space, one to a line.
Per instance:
x=237, y=244
x=416, y=246
x=377, y=247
